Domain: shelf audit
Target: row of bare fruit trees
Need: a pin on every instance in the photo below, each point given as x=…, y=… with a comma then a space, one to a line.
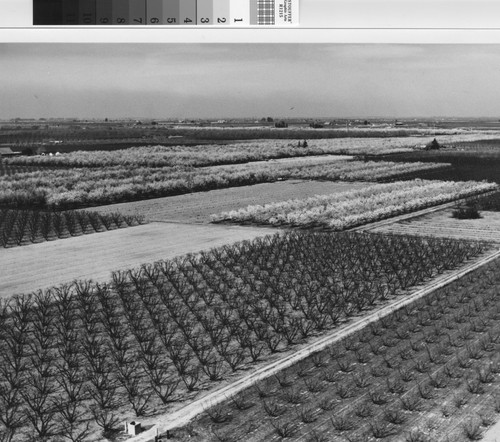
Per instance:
x=427, y=372
x=73, y=356
x=18, y=227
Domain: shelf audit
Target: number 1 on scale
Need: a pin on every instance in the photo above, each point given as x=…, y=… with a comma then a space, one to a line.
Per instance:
x=239, y=13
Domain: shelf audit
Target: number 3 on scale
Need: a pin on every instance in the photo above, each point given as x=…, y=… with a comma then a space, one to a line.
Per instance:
x=204, y=20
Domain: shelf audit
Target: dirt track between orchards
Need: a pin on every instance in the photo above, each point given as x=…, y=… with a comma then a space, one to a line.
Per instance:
x=28, y=268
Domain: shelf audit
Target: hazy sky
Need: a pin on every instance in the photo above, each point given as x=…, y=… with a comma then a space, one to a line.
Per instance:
x=248, y=80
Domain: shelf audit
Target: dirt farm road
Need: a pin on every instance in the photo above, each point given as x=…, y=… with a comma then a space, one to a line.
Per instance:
x=95, y=256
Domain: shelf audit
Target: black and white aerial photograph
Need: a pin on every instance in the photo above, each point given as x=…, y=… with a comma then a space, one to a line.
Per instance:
x=249, y=242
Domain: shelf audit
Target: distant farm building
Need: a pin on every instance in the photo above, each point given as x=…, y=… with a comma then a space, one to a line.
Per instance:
x=8, y=152
x=317, y=125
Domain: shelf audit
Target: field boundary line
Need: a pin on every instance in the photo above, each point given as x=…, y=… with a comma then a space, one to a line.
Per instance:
x=190, y=411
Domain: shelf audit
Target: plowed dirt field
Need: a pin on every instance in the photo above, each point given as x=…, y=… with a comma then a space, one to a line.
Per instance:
x=442, y=224
x=36, y=266
x=28, y=268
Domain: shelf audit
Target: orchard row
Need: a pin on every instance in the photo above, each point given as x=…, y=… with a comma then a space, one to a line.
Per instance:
x=22, y=227
x=73, y=357
x=428, y=372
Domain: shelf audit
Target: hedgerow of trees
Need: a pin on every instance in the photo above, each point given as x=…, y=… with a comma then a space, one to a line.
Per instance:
x=21, y=227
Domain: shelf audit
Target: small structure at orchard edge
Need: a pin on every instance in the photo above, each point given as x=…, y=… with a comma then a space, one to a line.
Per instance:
x=133, y=428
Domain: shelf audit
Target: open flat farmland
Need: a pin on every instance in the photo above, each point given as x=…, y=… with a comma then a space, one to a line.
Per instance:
x=164, y=332
x=204, y=155
x=70, y=187
x=492, y=434
x=356, y=207
x=476, y=161
x=358, y=136
x=36, y=266
x=442, y=224
x=355, y=336
x=298, y=359
x=168, y=156
x=197, y=207
x=304, y=160
x=429, y=372
x=377, y=146
x=22, y=227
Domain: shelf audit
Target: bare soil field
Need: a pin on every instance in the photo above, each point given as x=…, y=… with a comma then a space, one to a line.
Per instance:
x=301, y=160
x=493, y=434
x=442, y=224
x=36, y=266
x=353, y=145
x=197, y=207
x=386, y=133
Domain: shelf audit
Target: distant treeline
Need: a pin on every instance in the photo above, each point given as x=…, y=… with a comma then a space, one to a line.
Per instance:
x=64, y=137
x=287, y=133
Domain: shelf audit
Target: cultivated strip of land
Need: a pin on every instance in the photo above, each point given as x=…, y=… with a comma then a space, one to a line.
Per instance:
x=36, y=266
x=373, y=227
x=197, y=207
x=183, y=415
x=440, y=223
x=304, y=160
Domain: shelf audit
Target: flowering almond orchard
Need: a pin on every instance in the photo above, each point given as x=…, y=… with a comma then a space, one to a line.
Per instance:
x=69, y=188
x=352, y=208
